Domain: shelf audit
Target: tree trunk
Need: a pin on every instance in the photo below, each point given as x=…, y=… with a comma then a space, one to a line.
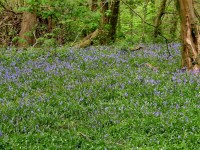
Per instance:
x=29, y=22
x=159, y=17
x=104, y=22
x=104, y=9
x=190, y=29
x=144, y=20
x=94, y=5
x=113, y=20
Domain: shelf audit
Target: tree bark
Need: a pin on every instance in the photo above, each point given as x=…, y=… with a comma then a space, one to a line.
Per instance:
x=94, y=5
x=113, y=20
x=104, y=9
x=159, y=17
x=190, y=29
x=143, y=22
x=104, y=22
x=29, y=22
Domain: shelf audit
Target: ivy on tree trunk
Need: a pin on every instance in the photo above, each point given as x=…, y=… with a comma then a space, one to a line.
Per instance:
x=159, y=17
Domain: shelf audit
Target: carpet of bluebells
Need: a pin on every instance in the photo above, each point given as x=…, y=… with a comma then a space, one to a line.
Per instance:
x=98, y=98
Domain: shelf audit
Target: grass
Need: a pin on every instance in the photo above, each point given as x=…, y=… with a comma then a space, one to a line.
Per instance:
x=98, y=98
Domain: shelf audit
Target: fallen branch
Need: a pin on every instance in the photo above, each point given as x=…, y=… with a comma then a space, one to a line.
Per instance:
x=88, y=40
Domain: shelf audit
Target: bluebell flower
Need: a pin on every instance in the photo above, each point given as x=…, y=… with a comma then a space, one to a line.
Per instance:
x=1, y=133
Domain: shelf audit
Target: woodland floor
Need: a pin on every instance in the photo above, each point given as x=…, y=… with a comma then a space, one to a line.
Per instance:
x=98, y=98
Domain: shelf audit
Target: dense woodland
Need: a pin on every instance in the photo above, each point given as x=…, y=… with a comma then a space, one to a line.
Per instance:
x=67, y=22
x=82, y=23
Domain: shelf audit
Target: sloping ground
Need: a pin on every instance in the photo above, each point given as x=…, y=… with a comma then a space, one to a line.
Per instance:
x=98, y=98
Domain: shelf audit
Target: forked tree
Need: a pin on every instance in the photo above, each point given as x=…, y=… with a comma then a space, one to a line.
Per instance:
x=190, y=29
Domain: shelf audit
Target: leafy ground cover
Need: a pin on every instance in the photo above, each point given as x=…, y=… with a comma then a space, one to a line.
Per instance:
x=98, y=98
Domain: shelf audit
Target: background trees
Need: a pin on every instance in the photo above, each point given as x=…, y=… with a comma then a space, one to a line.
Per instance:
x=69, y=21
x=128, y=22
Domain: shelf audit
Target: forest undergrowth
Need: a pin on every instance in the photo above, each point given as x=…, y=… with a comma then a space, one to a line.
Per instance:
x=98, y=98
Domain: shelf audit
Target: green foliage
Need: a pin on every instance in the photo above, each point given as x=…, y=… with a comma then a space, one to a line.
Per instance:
x=70, y=17
x=47, y=42
x=133, y=27
x=73, y=20
x=135, y=3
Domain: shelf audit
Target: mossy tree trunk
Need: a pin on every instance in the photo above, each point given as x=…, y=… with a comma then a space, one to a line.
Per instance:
x=104, y=23
x=143, y=22
x=104, y=9
x=113, y=20
x=159, y=18
x=29, y=22
x=94, y=5
x=190, y=29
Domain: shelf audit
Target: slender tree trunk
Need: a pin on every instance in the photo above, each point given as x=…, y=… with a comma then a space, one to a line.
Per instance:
x=29, y=22
x=113, y=19
x=190, y=29
x=104, y=9
x=159, y=17
x=94, y=5
x=144, y=19
x=104, y=22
